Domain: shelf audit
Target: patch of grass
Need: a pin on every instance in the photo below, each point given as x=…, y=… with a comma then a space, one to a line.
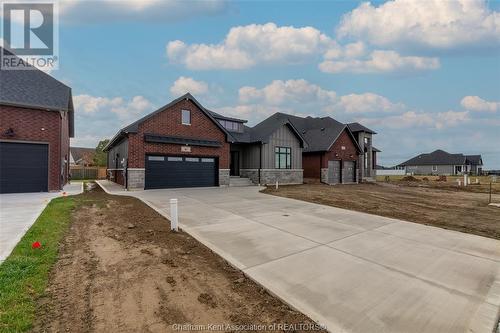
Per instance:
x=24, y=274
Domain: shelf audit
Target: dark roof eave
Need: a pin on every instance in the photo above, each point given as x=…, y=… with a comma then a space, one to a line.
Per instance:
x=32, y=106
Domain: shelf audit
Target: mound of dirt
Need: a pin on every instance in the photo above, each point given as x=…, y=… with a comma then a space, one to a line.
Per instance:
x=409, y=179
x=442, y=179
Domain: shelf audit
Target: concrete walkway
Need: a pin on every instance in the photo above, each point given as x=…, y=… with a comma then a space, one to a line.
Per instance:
x=351, y=271
x=18, y=212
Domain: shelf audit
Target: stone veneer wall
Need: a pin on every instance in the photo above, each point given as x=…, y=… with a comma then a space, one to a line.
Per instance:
x=324, y=177
x=224, y=177
x=135, y=178
x=270, y=176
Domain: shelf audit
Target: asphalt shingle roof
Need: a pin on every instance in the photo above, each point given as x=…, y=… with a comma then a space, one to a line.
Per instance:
x=357, y=127
x=474, y=159
x=437, y=157
x=35, y=89
x=316, y=134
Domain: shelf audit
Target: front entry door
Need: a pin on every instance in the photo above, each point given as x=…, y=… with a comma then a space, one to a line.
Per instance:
x=234, y=167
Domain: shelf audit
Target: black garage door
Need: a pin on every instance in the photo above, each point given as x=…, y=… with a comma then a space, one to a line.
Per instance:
x=23, y=167
x=180, y=171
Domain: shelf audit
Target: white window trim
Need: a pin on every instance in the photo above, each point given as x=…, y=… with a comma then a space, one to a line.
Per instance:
x=182, y=118
x=434, y=168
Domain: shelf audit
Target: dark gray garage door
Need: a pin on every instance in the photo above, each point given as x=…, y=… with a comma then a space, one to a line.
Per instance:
x=180, y=171
x=333, y=172
x=349, y=172
x=23, y=167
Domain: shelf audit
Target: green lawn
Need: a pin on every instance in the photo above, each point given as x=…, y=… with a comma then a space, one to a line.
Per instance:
x=24, y=274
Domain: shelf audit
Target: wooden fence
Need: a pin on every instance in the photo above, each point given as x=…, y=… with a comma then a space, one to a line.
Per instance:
x=81, y=172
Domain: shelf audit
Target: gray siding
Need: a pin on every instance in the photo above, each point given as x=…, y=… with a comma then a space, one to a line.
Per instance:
x=122, y=149
x=282, y=137
x=427, y=169
x=250, y=157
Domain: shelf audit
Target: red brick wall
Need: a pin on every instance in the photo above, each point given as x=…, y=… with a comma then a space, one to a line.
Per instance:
x=27, y=125
x=311, y=162
x=168, y=122
x=336, y=153
x=65, y=145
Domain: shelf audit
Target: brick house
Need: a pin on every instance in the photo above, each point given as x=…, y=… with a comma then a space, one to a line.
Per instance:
x=185, y=145
x=36, y=122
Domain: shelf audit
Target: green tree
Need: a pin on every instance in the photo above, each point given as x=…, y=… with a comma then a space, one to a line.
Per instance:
x=100, y=156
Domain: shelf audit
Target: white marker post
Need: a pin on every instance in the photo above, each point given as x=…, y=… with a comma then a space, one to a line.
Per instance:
x=276, y=184
x=465, y=179
x=174, y=218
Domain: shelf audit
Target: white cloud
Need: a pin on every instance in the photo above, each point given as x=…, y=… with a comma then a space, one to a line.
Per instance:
x=379, y=62
x=91, y=104
x=366, y=103
x=433, y=24
x=352, y=50
x=132, y=109
x=84, y=11
x=413, y=119
x=451, y=118
x=476, y=103
x=246, y=46
x=305, y=97
x=254, y=113
x=280, y=92
x=125, y=110
x=186, y=84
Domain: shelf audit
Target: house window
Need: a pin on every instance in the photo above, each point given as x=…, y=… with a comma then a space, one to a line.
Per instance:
x=186, y=117
x=434, y=168
x=283, y=157
x=231, y=125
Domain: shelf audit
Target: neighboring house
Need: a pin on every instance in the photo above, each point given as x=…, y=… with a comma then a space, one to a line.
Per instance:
x=185, y=145
x=440, y=162
x=81, y=156
x=36, y=122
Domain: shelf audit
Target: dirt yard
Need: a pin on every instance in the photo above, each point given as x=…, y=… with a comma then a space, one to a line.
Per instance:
x=450, y=209
x=121, y=269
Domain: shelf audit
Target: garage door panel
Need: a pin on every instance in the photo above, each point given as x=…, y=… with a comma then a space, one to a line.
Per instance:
x=333, y=172
x=176, y=172
x=349, y=172
x=23, y=167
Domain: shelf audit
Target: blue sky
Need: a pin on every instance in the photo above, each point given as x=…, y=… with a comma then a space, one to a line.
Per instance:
x=423, y=74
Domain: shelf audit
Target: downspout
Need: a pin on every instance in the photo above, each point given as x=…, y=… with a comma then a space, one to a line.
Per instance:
x=320, y=166
x=61, y=176
x=260, y=159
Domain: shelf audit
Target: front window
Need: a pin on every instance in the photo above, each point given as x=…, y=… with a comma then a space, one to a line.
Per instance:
x=434, y=168
x=186, y=117
x=231, y=125
x=283, y=157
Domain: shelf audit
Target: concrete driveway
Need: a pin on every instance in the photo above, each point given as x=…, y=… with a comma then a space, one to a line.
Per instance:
x=351, y=271
x=18, y=212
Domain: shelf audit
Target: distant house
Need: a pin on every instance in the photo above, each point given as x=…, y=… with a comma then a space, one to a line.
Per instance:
x=81, y=156
x=440, y=162
x=36, y=122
